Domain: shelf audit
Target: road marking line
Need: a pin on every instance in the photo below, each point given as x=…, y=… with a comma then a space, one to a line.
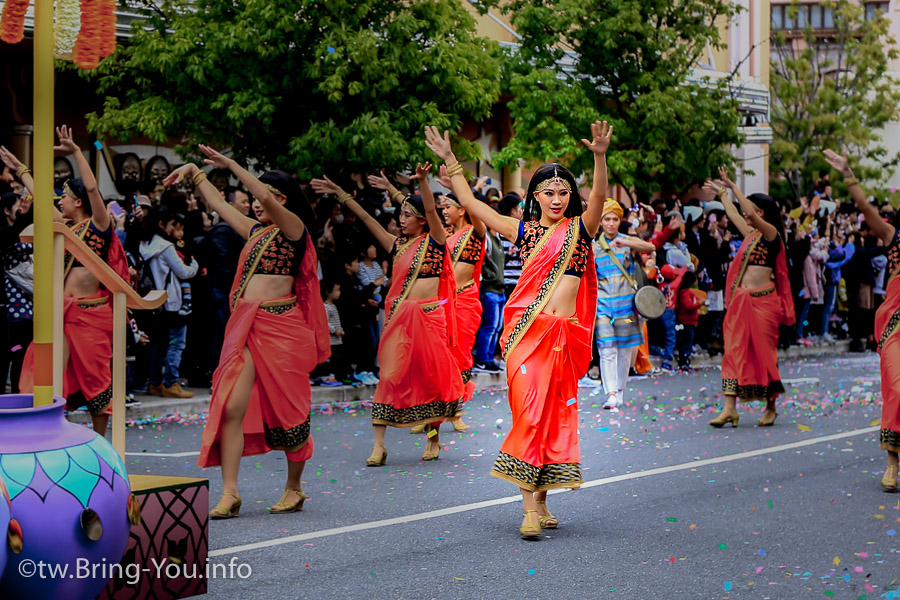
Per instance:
x=164, y=454
x=800, y=380
x=510, y=499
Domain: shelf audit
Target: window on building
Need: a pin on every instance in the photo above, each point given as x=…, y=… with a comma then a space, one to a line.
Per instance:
x=873, y=9
x=828, y=18
x=777, y=16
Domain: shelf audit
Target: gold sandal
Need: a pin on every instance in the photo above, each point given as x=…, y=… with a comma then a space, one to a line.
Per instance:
x=528, y=530
x=417, y=429
x=548, y=521
x=431, y=454
x=226, y=512
x=283, y=506
x=458, y=425
x=724, y=418
x=766, y=423
x=377, y=458
x=889, y=481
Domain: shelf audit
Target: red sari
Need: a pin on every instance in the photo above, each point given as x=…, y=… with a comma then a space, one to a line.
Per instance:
x=420, y=381
x=545, y=356
x=468, y=306
x=286, y=338
x=887, y=322
x=88, y=327
x=752, y=319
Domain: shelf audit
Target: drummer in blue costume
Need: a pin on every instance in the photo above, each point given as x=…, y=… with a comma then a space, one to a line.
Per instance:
x=618, y=327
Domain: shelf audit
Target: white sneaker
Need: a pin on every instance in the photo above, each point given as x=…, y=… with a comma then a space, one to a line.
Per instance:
x=370, y=378
x=612, y=402
x=588, y=382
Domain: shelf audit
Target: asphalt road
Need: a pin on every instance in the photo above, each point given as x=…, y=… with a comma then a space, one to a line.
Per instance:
x=672, y=508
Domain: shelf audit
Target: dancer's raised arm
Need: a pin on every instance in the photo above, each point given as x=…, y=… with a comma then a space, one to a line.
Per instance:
x=290, y=223
x=17, y=167
x=753, y=217
x=601, y=133
x=508, y=227
x=99, y=214
x=213, y=200
x=885, y=231
x=435, y=223
x=720, y=189
x=327, y=186
x=445, y=180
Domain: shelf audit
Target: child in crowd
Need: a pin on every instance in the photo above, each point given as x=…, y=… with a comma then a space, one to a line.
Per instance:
x=184, y=253
x=688, y=313
x=331, y=291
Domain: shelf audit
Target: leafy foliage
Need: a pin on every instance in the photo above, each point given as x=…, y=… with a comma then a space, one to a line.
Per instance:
x=304, y=85
x=628, y=62
x=831, y=90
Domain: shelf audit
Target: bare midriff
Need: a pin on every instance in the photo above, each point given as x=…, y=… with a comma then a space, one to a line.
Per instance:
x=756, y=277
x=81, y=283
x=562, y=301
x=463, y=272
x=268, y=287
x=423, y=289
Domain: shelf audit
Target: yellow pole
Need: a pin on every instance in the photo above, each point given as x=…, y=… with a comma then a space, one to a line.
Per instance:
x=43, y=199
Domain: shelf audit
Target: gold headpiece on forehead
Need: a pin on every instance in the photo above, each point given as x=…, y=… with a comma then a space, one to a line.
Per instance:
x=67, y=191
x=453, y=200
x=273, y=189
x=548, y=182
x=412, y=208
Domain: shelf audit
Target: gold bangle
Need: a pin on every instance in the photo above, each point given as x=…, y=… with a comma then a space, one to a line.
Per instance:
x=722, y=193
x=455, y=169
x=396, y=193
x=344, y=197
x=851, y=181
x=22, y=170
x=198, y=178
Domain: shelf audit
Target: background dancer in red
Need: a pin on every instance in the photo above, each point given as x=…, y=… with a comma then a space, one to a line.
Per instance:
x=887, y=318
x=548, y=322
x=87, y=308
x=276, y=335
x=420, y=382
x=758, y=297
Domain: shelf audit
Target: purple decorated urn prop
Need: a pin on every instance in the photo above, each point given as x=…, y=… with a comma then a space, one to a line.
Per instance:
x=69, y=496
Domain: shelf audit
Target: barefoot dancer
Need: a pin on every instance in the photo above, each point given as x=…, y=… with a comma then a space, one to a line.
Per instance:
x=87, y=311
x=887, y=319
x=548, y=322
x=420, y=381
x=276, y=335
x=758, y=298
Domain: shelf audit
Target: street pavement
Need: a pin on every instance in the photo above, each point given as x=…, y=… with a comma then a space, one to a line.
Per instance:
x=671, y=508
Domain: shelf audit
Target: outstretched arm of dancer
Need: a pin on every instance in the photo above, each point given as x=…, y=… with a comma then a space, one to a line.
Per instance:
x=327, y=186
x=445, y=180
x=99, y=214
x=289, y=222
x=435, y=223
x=754, y=219
x=720, y=189
x=601, y=133
x=381, y=182
x=17, y=167
x=508, y=227
x=885, y=231
x=212, y=198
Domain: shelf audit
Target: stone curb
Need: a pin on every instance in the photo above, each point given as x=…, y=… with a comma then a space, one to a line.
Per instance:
x=153, y=406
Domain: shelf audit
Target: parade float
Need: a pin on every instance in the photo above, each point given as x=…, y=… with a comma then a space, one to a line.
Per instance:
x=66, y=499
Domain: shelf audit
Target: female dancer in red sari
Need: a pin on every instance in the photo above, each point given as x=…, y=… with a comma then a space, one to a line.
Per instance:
x=547, y=323
x=420, y=381
x=276, y=335
x=758, y=298
x=87, y=311
x=887, y=319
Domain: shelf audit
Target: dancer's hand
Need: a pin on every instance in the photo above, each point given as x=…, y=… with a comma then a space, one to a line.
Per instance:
x=422, y=172
x=838, y=162
x=713, y=186
x=723, y=176
x=601, y=134
x=437, y=144
x=380, y=182
x=66, y=144
x=215, y=158
x=9, y=159
x=326, y=186
x=179, y=174
x=444, y=178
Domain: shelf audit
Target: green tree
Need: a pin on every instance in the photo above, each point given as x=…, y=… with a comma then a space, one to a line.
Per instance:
x=626, y=61
x=831, y=90
x=302, y=85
